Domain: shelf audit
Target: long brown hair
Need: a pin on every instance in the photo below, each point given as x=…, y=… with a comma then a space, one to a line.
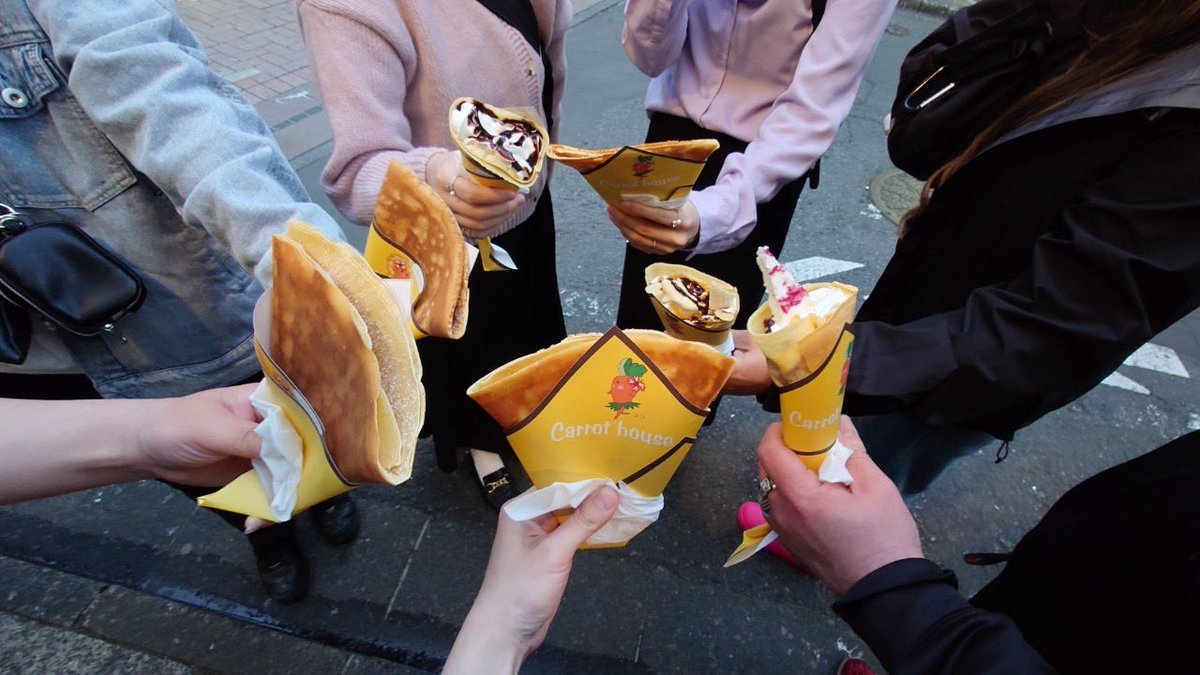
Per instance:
x=1122, y=37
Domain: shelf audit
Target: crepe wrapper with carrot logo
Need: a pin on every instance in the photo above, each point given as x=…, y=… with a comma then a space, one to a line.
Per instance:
x=342, y=401
x=502, y=148
x=693, y=305
x=621, y=409
x=414, y=243
x=808, y=357
x=657, y=174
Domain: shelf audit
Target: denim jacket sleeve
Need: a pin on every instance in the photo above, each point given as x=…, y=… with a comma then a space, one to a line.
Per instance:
x=143, y=79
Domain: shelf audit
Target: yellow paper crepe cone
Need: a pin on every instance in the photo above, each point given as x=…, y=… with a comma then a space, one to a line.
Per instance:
x=658, y=174
x=625, y=406
x=808, y=359
x=679, y=314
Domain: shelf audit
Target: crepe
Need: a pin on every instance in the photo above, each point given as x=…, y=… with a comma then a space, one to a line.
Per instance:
x=513, y=391
x=410, y=216
x=502, y=142
x=321, y=340
x=587, y=160
x=700, y=300
x=391, y=341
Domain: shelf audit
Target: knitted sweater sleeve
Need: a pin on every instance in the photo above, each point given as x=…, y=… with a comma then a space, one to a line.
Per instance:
x=362, y=64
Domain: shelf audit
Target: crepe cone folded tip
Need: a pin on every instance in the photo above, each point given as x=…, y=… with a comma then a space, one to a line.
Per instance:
x=512, y=392
x=587, y=160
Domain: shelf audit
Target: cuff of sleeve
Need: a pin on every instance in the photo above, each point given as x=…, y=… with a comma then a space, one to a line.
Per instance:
x=714, y=225
x=893, y=607
x=370, y=178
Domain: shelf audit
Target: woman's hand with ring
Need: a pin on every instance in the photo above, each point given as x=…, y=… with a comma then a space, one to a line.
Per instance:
x=841, y=533
x=656, y=230
x=480, y=211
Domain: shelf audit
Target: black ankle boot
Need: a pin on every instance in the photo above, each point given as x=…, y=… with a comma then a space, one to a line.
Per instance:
x=282, y=568
x=337, y=520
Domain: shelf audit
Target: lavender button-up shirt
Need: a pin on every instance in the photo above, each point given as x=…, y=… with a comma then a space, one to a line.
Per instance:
x=756, y=70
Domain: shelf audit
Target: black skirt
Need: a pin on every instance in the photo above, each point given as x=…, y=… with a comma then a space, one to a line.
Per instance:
x=736, y=265
x=510, y=314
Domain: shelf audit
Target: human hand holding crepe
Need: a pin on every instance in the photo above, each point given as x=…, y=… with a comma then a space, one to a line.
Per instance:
x=500, y=148
x=343, y=378
x=801, y=329
x=415, y=237
x=621, y=407
x=657, y=174
x=693, y=305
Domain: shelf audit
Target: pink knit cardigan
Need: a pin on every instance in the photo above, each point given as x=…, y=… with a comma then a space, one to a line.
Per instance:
x=388, y=71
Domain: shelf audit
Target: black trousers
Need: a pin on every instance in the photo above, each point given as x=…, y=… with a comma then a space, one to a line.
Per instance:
x=511, y=314
x=74, y=387
x=736, y=265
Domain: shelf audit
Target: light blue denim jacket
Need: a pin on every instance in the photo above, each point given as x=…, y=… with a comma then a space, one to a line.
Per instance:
x=111, y=119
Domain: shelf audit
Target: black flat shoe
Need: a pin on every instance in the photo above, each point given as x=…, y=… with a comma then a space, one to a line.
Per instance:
x=498, y=487
x=337, y=520
x=282, y=569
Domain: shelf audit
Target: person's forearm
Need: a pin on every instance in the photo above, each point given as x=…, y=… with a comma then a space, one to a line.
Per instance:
x=141, y=78
x=484, y=645
x=910, y=614
x=53, y=447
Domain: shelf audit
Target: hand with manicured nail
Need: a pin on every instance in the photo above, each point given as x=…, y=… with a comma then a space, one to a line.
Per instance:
x=523, y=586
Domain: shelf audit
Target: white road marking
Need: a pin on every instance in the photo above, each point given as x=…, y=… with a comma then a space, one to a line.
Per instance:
x=807, y=269
x=1121, y=382
x=1157, y=358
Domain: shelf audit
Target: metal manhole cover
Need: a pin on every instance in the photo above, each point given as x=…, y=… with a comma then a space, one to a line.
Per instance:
x=894, y=193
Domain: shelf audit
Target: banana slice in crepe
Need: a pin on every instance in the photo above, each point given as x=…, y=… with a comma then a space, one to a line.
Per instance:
x=343, y=342
x=505, y=143
x=513, y=391
x=701, y=300
x=410, y=216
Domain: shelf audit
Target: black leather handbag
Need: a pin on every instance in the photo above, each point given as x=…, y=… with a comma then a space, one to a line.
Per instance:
x=959, y=78
x=58, y=271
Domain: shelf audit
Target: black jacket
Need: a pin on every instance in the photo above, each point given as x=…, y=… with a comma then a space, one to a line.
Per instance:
x=1034, y=272
x=1107, y=582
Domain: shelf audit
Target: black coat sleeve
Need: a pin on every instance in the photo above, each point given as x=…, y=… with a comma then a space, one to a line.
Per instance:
x=911, y=615
x=1121, y=264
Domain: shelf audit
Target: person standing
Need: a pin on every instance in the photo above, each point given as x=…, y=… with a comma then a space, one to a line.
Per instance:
x=388, y=72
x=111, y=121
x=773, y=87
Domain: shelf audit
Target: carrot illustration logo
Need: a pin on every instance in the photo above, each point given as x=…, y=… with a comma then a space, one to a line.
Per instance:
x=643, y=165
x=625, y=386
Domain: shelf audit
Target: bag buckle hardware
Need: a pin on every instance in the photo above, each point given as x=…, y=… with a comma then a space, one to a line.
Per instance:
x=936, y=95
x=9, y=216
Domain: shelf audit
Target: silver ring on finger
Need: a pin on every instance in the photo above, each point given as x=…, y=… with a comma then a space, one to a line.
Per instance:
x=676, y=223
x=765, y=487
x=450, y=187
